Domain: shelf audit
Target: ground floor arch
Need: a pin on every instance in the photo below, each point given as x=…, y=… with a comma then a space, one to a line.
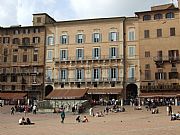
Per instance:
x=48, y=89
x=131, y=91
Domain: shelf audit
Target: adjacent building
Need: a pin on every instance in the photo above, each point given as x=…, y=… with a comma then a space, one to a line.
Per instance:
x=22, y=61
x=159, y=43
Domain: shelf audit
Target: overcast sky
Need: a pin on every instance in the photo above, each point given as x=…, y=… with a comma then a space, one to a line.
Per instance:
x=14, y=12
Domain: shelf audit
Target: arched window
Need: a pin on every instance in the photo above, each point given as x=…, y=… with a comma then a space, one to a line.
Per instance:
x=158, y=16
x=16, y=41
x=170, y=15
x=146, y=17
x=26, y=41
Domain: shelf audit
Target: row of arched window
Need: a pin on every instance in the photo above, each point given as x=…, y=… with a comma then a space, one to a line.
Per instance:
x=158, y=16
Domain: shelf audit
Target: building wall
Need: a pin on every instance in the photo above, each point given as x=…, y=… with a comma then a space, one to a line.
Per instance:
x=87, y=28
x=28, y=75
x=153, y=44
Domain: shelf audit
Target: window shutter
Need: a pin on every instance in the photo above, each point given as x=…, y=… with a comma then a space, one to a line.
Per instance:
x=99, y=53
x=117, y=36
x=117, y=54
x=110, y=37
x=110, y=52
x=77, y=54
x=82, y=74
x=66, y=54
x=75, y=74
x=99, y=73
x=93, y=53
x=66, y=74
x=47, y=40
x=53, y=40
x=82, y=53
x=67, y=41
x=60, y=54
x=59, y=75
x=100, y=37
x=109, y=74
x=92, y=74
x=117, y=74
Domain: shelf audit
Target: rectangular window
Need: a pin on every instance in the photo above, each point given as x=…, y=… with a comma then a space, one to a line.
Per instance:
x=36, y=30
x=160, y=75
x=113, y=36
x=79, y=38
x=36, y=40
x=96, y=73
x=49, y=55
x=50, y=40
x=49, y=74
x=172, y=31
x=146, y=33
x=96, y=37
x=131, y=71
x=78, y=74
x=14, y=58
x=173, y=75
x=5, y=51
x=159, y=55
x=5, y=59
x=24, y=58
x=113, y=73
x=113, y=52
x=63, y=54
x=131, y=51
x=13, y=78
x=64, y=39
x=6, y=40
x=96, y=53
x=79, y=54
x=173, y=55
x=16, y=32
x=159, y=32
x=147, y=54
x=131, y=34
x=147, y=74
x=63, y=74
x=35, y=57
x=26, y=31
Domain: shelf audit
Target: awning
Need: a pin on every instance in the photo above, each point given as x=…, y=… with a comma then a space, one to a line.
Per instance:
x=105, y=91
x=12, y=95
x=66, y=94
x=158, y=94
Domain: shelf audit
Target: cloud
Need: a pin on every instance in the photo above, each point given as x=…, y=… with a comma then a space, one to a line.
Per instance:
x=107, y=8
x=8, y=12
x=20, y=12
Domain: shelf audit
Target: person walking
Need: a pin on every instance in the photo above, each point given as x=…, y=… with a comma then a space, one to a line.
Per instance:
x=62, y=116
x=12, y=110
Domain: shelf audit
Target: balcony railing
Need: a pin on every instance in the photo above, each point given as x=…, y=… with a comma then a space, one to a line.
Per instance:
x=159, y=87
x=103, y=79
x=104, y=57
x=166, y=58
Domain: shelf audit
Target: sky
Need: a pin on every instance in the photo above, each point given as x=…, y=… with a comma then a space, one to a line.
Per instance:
x=19, y=12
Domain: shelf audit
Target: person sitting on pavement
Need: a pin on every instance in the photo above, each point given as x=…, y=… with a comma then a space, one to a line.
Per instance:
x=22, y=121
x=78, y=119
x=28, y=121
x=85, y=119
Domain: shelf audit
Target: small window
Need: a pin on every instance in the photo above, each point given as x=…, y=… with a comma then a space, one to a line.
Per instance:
x=170, y=15
x=78, y=85
x=158, y=16
x=112, y=84
x=24, y=58
x=146, y=33
x=95, y=85
x=172, y=32
x=147, y=66
x=146, y=17
x=62, y=85
x=38, y=19
x=159, y=32
x=147, y=54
